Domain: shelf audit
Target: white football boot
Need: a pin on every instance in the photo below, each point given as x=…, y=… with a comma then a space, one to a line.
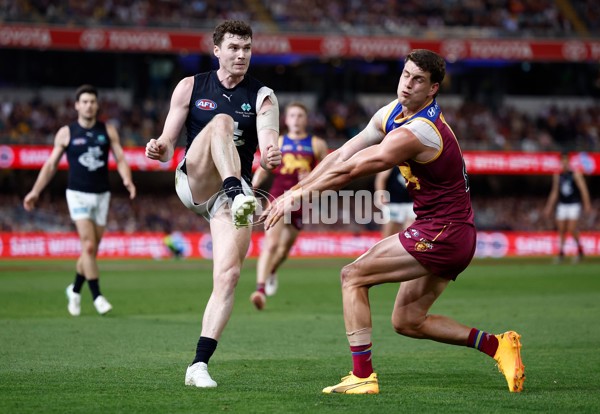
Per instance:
x=102, y=305
x=74, y=306
x=198, y=376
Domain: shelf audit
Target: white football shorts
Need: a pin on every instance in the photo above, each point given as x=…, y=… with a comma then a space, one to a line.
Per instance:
x=208, y=208
x=400, y=212
x=571, y=211
x=92, y=206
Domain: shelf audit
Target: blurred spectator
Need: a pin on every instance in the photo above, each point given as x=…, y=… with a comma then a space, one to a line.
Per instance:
x=490, y=18
x=478, y=127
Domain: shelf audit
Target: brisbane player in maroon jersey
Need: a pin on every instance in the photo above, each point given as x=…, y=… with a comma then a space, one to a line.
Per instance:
x=409, y=132
x=301, y=152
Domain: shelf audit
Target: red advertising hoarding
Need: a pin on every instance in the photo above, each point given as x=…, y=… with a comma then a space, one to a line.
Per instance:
x=478, y=162
x=199, y=245
x=23, y=36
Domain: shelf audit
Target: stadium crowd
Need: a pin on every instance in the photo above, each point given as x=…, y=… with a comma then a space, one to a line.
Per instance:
x=488, y=17
x=500, y=17
x=478, y=127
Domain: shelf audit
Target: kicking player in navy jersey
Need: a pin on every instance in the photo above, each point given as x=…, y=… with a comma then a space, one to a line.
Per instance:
x=409, y=132
x=227, y=114
x=86, y=143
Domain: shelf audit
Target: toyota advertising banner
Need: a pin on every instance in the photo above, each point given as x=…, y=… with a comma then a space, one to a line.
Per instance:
x=23, y=36
x=309, y=245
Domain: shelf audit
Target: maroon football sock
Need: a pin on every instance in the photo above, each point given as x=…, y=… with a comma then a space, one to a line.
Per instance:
x=361, y=358
x=483, y=341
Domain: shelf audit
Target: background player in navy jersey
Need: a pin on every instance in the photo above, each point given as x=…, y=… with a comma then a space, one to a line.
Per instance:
x=391, y=185
x=86, y=143
x=301, y=151
x=227, y=114
x=410, y=132
x=569, y=191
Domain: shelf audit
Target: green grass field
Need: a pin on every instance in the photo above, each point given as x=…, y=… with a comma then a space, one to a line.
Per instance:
x=278, y=360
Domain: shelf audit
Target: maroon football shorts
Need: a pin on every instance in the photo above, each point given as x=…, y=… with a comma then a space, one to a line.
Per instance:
x=445, y=249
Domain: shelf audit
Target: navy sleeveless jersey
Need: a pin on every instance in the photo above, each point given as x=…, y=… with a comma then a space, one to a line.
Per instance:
x=396, y=186
x=210, y=97
x=87, y=154
x=568, y=191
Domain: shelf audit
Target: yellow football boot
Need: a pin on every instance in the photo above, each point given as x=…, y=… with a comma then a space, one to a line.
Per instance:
x=508, y=357
x=351, y=384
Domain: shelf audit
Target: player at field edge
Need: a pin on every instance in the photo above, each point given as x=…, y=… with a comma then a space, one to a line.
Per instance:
x=569, y=192
x=86, y=142
x=409, y=132
x=301, y=151
x=227, y=114
x=391, y=185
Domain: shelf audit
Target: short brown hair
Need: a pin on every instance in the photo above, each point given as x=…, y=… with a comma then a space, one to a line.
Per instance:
x=86, y=89
x=235, y=27
x=296, y=104
x=430, y=62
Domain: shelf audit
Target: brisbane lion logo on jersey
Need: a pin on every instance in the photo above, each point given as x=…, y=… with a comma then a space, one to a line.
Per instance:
x=292, y=163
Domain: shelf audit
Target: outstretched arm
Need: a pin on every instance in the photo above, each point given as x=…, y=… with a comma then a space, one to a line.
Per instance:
x=397, y=147
x=122, y=166
x=552, y=197
x=380, y=184
x=371, y=135
x=61, y=140
x=162, y=149
x=585, y=194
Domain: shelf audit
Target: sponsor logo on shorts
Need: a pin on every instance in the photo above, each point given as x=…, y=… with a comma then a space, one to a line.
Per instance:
x=415, y=232
x=423, y=245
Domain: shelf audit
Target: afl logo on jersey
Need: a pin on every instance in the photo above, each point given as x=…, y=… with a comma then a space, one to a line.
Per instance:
x=206, y=104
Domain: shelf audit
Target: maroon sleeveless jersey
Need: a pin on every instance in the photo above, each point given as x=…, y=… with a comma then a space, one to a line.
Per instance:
x=443, y=237
x=297, y=157
x=439, y=188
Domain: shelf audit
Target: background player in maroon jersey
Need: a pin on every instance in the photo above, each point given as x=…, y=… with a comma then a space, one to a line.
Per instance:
x=409, y=132
x=301, y=151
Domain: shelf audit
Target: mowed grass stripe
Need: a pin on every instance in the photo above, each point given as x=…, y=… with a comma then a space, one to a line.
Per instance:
x=278, y=360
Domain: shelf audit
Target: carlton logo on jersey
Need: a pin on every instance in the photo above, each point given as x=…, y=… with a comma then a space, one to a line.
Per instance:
x=206, y=104
x=91, y=159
